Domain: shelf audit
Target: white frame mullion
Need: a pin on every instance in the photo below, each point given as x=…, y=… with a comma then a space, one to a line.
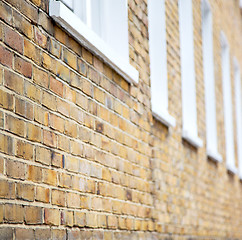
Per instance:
x=228, y=107
x=158, y=61
x=209, y=83
x=188, y=78
x=238, y=102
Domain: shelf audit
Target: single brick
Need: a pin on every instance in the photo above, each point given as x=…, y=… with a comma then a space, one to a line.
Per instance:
x=56, y=86
x=87, y=56
x=72, y=164
x=57, y=122
x=6, y=57
x=73, y=200
x=62, y=72
x=112, y=221
x=71, y=129
x=82, y=67
x=25, y=191
x=32, y=91
x=69, y=94
x=48, y=62
x=24, y=108
x=13, y=39
x=14, y=213
x=44, y=19
x=57, y=160
x=6, y=233
x=31, y=51
x=43, y=155
x=79, y=219
x=52, y=216
x=7, y=189
x=24, y=234
x=29, y=11
x=59, y=234
x=63, y=143
x=63, y=107
x=58, y=197
x=49, y=101
x=22, y=25
x=67, y=218
x=41, y=115
x=55, y=48
x=1, y=213
x=50, y=177
x=22, y=66
x=6, y=13
x=65, y=180
x=24, y=150
x=42, y=234
x=15, y=169
x=34, y=173
x=6, y=144
x=15, y=125
x=73, y=234
x=6, y=99
x=14, y=82
x=40, y=77
x=1, y=165
x=34, y=133
x=42, y=194
x=70, y=58
x=40, y=38
x=49, y=138
x=33, y=215
x=91, y=220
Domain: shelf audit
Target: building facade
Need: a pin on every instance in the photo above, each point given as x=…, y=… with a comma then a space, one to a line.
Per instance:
x=120, y=119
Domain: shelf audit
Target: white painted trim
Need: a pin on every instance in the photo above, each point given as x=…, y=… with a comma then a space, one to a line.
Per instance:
x=193, y=140
x=165, y=118
x=158, y=62
x=238, y=104
x=214, y=155
x=72, y=24
x=227, y=101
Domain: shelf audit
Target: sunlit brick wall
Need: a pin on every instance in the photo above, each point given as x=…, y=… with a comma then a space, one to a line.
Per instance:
x=81, y=156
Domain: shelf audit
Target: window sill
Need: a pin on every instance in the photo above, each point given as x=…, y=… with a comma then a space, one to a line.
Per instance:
x=214, y=155
x=232, y=169
x=165, y=118
x=73, y=25
x=193, y=140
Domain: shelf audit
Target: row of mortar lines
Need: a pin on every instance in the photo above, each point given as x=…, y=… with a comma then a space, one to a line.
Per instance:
x=42, y=205
x=68, y=190
x=33, y=101
x=67, y=170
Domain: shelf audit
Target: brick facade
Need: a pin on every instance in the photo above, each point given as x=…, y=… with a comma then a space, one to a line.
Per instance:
x=81, y=156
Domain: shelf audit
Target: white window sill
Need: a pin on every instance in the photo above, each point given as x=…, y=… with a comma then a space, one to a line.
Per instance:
x=165, y=118
x=232, y=169
x=193, y=140
x=72, y=24
x=214, y=155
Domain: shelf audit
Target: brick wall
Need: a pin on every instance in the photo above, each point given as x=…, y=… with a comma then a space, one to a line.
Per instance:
x=81, y=156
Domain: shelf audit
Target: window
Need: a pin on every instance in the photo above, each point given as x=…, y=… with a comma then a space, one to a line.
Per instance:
x=102, y=27
x=189, y=112
x=228, y=112
x=238, y=99
x=158, y=61
x=208, y=73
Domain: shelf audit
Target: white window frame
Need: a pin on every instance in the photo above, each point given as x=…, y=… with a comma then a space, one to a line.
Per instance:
x=228, y=107
x=99, y=46
x=188, y=78
x=238, y=102
x=158, y=62
x=209, y=82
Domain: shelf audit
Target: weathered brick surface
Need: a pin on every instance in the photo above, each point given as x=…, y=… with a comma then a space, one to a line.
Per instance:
x=81, y=156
